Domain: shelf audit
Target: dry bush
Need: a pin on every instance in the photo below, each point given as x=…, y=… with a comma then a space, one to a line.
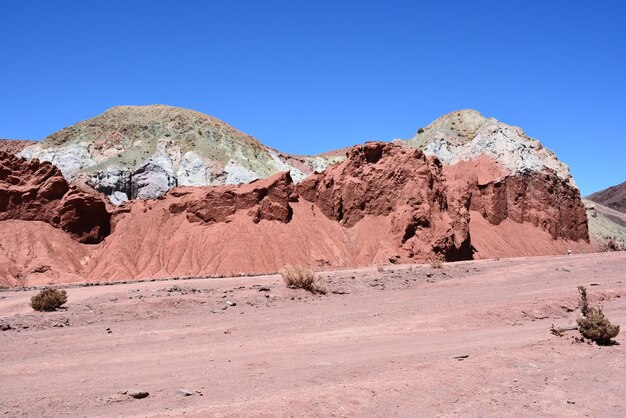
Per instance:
x=596, y=327
x=436, y=261
x=48, y=300
x=559, y=332
x=593, y=324
x=583, y=303
x=380, y=268
x=301, y=277
x=612, y=244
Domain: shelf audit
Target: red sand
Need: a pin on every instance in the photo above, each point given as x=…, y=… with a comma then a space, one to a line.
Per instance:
x=386, y=348
x=513, y=239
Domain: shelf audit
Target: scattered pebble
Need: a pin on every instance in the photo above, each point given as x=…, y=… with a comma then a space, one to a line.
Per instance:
x=185, y=392
x=137, y=394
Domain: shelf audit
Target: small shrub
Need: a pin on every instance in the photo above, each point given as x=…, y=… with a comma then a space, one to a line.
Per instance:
x=593, y=324
x=612, y=244
x=559, y=332
x=596, y=327
x=583, y=303
x=301, y=277
x=420, y=130
x=436, y=261
x=380, y=268
x=48, y=300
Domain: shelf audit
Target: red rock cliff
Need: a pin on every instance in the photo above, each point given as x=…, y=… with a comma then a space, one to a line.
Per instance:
x=383, y=179
x=37, y=191
x=539, y=198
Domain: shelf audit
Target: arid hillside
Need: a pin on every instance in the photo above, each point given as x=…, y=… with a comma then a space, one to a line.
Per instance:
x=614, y=197
x=383, y=204
x=140, y=152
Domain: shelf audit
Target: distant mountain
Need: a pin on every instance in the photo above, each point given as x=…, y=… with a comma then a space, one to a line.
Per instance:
x=140, y=152
x=614, y=197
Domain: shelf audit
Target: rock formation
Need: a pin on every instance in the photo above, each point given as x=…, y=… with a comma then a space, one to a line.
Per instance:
x=465, y=187
x=262, y=199
x=141, y=152
x=13, y=146
x=36, y=191
x=382, y=179
x=465, y=135
x=504, y=175
x=540, y=198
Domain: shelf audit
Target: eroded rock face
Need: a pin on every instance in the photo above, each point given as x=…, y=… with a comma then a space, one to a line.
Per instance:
x=382, y=179
x=262, y=199
x=384, y=203
x=36, y=191
x=541, y=198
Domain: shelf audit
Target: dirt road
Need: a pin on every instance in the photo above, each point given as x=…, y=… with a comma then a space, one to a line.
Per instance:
x=378, y=344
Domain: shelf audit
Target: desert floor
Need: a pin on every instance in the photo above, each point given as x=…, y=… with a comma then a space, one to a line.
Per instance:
x=378, y=344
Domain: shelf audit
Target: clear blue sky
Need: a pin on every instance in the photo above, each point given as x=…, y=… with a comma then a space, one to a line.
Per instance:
x=310, y=76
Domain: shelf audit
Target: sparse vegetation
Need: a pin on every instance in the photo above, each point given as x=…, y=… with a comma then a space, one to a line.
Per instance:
x=597, y=327
x=436, y=261
x=593, y=324
x=301, y=277
x=48, y=300
x=583, y=303
x=559, y=332
x=420, y=130
x=612, y=244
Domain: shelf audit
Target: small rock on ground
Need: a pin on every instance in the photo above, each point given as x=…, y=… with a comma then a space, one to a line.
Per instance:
x=137, y=394
x=185, y=392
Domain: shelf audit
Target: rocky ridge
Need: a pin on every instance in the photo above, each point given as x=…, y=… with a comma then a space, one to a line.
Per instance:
x=384, y=203
x=613, y=197
x=465, y=135
x=141, y=152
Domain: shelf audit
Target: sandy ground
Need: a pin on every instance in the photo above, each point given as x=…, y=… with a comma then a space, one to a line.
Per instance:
x=378, y=344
